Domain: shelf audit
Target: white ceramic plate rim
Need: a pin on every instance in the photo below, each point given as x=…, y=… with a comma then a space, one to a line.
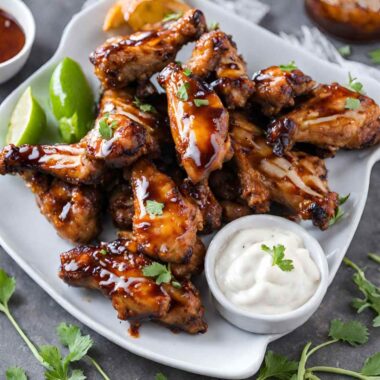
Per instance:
x=181, y=364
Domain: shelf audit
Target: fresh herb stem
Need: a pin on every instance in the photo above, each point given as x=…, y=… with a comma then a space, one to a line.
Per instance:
x=352, y=265
x=302, y=362
x=316, y=348
x=98, y=367
x=28, y=342
x=374, y=257
x=341, y=371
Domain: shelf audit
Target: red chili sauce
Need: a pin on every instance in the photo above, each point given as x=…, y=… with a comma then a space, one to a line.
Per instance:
x=12, y=37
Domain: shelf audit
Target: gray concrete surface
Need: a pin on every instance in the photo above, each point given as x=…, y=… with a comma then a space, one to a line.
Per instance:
x=38, y=314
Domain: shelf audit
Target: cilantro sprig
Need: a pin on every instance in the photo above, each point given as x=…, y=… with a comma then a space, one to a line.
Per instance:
x=338, y=215
x=161, y=273
x=278, y=257
x=279, y=367
x=371, y=293
x=289, y=67
x=214, y=26
x=172, y=17
x=345, y=51
x=201, y=102
x=375, y=56
x=57, y=366
x=354, y=85
x=182, y=92
x=352, y=104
x=144, y=107
x=154, y=208
x=106, y=126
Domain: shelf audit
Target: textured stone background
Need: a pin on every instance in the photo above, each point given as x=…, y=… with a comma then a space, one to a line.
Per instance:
x=39, y=314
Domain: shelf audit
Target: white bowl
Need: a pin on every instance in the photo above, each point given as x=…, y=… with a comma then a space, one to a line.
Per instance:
x=260, y=323
x=24, y=17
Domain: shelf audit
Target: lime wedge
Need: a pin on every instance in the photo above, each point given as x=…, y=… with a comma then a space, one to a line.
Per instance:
x=72, y=100
x=27, y=122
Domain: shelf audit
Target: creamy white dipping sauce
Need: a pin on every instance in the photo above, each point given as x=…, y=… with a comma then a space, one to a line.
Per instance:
x=246, y=276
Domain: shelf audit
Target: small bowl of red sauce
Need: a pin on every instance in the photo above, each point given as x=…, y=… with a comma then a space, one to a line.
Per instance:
x=17, y=33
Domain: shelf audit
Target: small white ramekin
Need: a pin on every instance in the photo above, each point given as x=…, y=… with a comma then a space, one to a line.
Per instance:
x=24, y=17
x=261, y=323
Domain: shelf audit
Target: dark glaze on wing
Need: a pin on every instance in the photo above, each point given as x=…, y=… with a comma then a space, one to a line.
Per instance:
x=118, y=273
x=215, y=55
x=200, y=133
x=73, y=210
x=121, y=206
x=277, y=89
x=67, y=162
x=297, y=180
x=169, y=237
x=133, y=136
x=208, y=205
x=324, y=120
x=122, y=60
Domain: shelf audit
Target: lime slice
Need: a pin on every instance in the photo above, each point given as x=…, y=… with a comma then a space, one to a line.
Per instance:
x=72, y=100
x=28, y=121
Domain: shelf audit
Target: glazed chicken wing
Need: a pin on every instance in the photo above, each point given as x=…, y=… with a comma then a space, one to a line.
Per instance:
x=121, y=206
x=198, y=121
x=73, y=210
x=122, y=60
x=297, y=180
x=165, y=223
x=132, y=131
x=118, y=273
x=277, y=89
x=215, y=56
x=334, y=117
x=66, y=162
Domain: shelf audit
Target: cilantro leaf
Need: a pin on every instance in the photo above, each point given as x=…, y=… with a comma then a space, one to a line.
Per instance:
x=182, y=92
x=278, y=257
x=201, y=102
x=77, y=374
x=354, y=85
x=352, y=104
x=160, y=376
x=351, y=332
x=344, y=199
x=154, y=208
x=345, y=51
x=277, y=367
x=289, y=67
x=144, y=107
x=370, y=292
x=371, y=366
x=78, y=344
x=7, y=288
x=339, y=212
x=187, y=72
x=54, y=363
x=105, y=128
x=103, y=252
x=15, y=373
x=214, y=26
x=161, y=272
x=172, y=16
x=375, y=56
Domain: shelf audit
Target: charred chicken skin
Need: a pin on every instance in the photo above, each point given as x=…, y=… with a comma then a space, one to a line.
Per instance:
x=165, y=223
x=277, y=89
x=122, y=60
x=328, y=120
x=118, y=273
x=297, y=180
x=215, y=57
x=74, y=210
x=198, y=122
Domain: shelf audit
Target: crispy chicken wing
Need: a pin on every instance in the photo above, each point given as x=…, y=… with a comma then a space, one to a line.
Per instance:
x=198, y=121
x=208, y=205
x=334, y=117
x=118, y=273
x=73, y=210
x=121, y=206
x=297, y=180
x=215, y=57
x=122, y=60
x=165, y=222
x=133, y=131
x=276, y=89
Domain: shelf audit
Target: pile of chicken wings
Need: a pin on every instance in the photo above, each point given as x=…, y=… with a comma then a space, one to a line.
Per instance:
x=213, y=145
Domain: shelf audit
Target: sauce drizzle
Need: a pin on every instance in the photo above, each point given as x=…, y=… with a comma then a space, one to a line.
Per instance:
x=12, y=37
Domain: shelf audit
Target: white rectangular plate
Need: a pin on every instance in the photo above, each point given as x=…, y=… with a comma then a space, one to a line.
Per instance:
x=224, y=351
